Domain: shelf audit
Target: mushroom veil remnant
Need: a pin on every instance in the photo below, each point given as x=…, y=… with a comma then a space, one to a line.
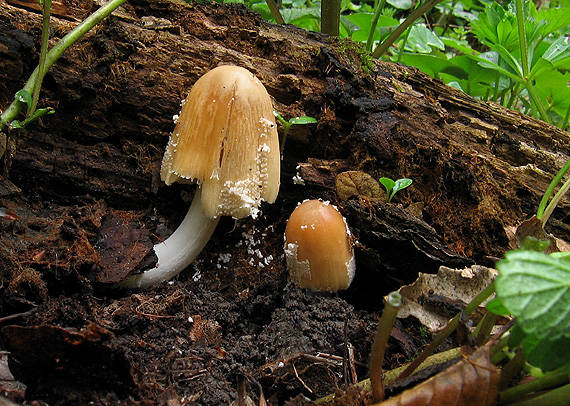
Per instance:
x=226, y=141
x=318, y=247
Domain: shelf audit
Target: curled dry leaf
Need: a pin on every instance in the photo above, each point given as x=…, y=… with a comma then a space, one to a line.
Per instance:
x=434, y=299
x=357, y=183
x=472, y=381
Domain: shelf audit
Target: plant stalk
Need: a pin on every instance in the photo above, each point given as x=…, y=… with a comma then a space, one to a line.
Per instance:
x=555, y=200
x=552, y=379
x=330, y=17
x=557, y=179
x=378, y=7
x=274, y=8
x=449, y=328
x=392, y=304
x=387, y=43
x=73, y=36
x=46, y=6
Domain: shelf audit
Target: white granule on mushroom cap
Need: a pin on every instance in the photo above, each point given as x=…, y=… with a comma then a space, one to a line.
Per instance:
x=297, y=269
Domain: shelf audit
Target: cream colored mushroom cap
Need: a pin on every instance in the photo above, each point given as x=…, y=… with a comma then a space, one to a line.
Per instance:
x=318, y=247
x=226, y=141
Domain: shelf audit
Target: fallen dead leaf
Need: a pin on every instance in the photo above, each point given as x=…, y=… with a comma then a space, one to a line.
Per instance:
x=357, y=183
x=434, y=299
x=472, y=381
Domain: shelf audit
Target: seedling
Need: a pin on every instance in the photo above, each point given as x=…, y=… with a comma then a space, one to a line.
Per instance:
x=287, y=126
x=393, y=187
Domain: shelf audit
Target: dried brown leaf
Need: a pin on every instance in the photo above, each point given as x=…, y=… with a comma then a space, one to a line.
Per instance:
x=472, y=381
x=357, y=183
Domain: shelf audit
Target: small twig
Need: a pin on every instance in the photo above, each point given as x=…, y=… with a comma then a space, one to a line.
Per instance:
x=17, y=315
x=300, y=380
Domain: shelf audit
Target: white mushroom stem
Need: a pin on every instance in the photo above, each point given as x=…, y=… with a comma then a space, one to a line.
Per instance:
x=179, y=250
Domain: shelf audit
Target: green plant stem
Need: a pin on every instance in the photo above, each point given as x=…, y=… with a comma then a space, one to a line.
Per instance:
x=404, y=43
x=552, y=379
x=448, y=329
x=446, y=18
x=391, y=375
x=537, y=102
x=554, y=397
x=557, y=179
x=286, y=127
x=330, y=17
x=378, y=7
x=387, y=43
x=564, y=124
x=523, y=47
x=46, y=6
x=555, y=200
x=274, y=8
x=73, y=36
x=484, y=328
x=392, y=304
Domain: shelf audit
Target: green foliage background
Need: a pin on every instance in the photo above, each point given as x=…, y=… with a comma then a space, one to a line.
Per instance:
x=473, y=45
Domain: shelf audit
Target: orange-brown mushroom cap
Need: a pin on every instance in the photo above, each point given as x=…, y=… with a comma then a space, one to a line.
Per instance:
x=226, y=141
x=318, y=247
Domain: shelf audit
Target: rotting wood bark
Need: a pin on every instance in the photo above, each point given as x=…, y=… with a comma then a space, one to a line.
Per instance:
x=476, y=167
x=78, y=176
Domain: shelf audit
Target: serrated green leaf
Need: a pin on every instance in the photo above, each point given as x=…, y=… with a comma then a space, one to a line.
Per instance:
x=536, y=289
x=545, y=353
x=303, y=120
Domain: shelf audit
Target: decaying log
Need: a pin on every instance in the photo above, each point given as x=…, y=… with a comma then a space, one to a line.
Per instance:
x=476, y=166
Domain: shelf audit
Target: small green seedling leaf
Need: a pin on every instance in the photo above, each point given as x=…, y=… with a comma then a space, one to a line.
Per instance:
x=287, y=126
x=388, y=184
x=23, y=96
x=401, y=184
x=535, y=287
x=303, y=120
x=393, y=187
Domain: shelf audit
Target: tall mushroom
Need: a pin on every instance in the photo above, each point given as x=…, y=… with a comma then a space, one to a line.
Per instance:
x=226, y=141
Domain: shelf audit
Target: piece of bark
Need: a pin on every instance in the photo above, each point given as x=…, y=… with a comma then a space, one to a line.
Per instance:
x=476, y=166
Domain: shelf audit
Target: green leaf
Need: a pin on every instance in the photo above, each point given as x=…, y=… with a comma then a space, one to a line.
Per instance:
x=401, y=184
x=303, y=120
x=23, y=96
x=431, y=64
x=497, y=307
x=401, y=4
x=545, y=353
x=536, y=289
x=364, y=21
x=422, y=39
x=388, y=183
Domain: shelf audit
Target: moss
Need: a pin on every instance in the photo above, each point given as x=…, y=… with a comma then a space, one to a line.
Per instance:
x=356, y=51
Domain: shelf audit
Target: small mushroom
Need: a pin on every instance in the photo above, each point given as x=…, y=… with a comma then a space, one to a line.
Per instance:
x=226, y=141
x=318, y=247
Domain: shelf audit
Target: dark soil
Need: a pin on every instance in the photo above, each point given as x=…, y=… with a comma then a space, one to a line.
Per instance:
x=83, y=185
